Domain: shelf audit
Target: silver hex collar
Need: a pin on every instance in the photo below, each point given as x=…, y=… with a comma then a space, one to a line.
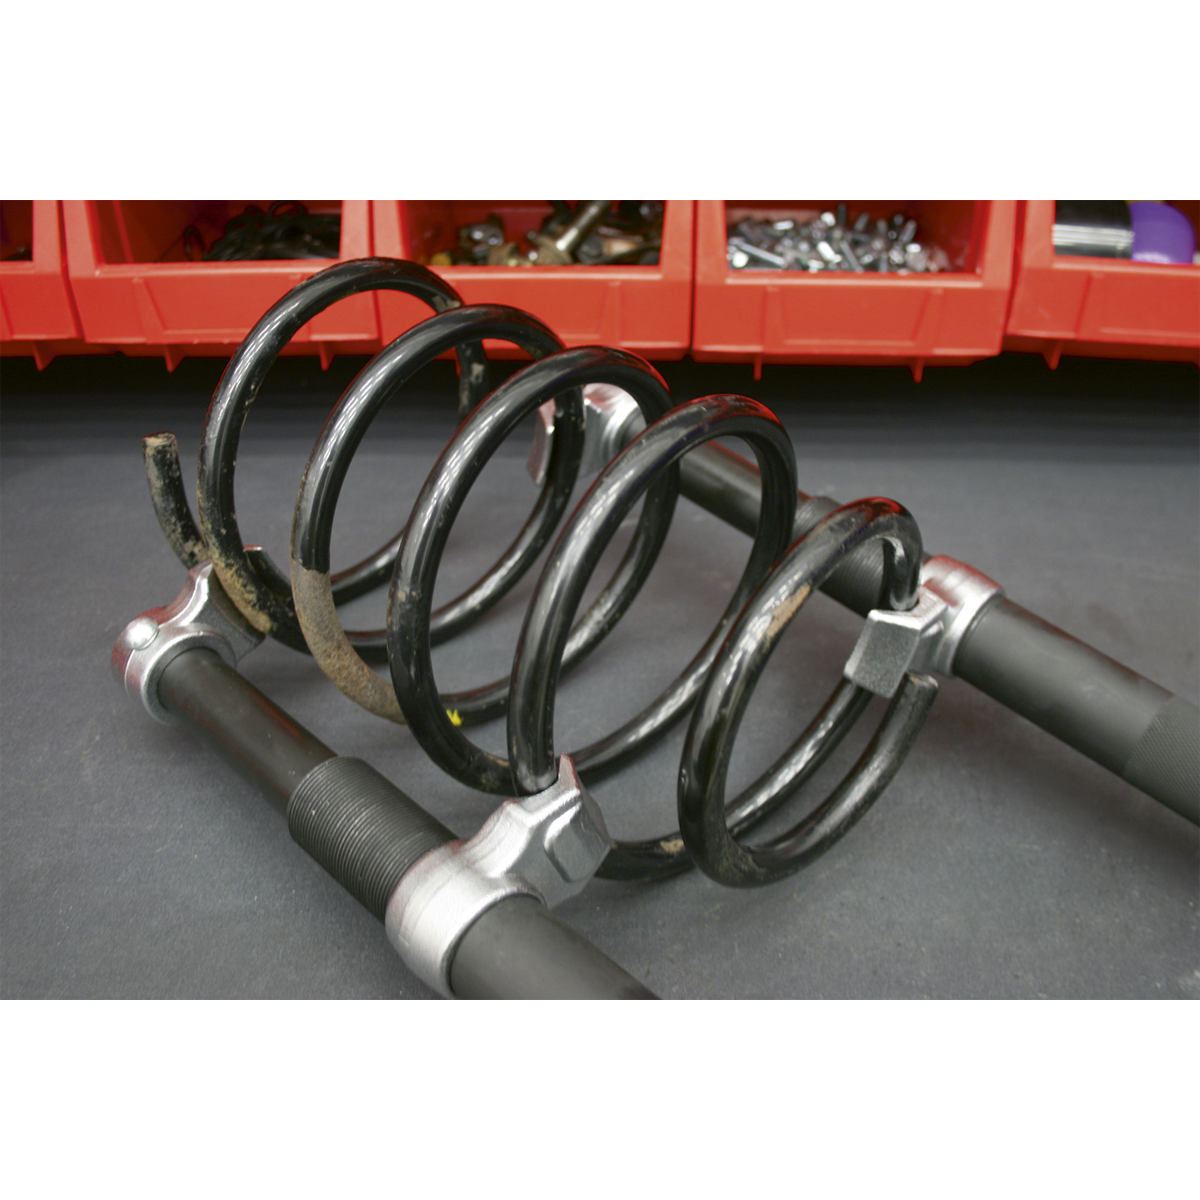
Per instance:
x=926, y=637
x=548, y=845
x=965, y=591
x=201, y=615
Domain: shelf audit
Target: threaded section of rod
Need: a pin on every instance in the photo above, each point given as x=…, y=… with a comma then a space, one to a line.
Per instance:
x=361, y=828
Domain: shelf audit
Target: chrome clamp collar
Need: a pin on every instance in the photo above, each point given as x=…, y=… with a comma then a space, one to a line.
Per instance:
x=611, y=418
x=925, y=639
x=201, y=615
x=547, y=846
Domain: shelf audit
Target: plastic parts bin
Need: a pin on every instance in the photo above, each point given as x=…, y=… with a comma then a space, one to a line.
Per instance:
x=136, y=289
x=953, y=317
x=646, y=309
x=1100, y=307
x=37, y=315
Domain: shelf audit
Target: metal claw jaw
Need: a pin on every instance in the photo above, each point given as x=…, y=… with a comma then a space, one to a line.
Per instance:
x=547, y=845
x=611, y=417
x=201, y=615
x=926, y=637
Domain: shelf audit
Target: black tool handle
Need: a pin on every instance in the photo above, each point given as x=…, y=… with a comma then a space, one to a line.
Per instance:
x=1140, y=731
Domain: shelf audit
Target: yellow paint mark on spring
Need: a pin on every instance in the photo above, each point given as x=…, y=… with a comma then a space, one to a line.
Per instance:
x=455, y=719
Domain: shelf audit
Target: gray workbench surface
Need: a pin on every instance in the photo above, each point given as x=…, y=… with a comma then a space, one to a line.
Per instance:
x=1000, y=863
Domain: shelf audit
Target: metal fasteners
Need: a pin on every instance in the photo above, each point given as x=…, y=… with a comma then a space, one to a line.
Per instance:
x=591, y=234
x=476, y=241
x=559, y=249
x=828, y=243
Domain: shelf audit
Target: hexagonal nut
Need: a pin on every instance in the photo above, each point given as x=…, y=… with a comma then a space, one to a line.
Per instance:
x=894, y=643
x=574, y=843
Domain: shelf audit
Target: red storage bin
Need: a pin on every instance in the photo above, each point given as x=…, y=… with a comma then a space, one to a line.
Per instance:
x=953, y=317
x=1100, y=307
x=36, y=313
x=136, y=289
x=646, y=309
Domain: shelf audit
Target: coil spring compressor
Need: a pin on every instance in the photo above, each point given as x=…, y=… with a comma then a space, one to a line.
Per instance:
x=471, y=917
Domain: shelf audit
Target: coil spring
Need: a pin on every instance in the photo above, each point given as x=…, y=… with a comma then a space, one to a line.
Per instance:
x=300, y=609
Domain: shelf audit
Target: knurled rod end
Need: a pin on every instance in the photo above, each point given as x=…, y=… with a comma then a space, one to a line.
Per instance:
x=1166, y=761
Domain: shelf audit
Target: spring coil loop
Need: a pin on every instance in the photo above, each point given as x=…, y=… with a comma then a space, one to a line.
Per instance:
x=300, y=609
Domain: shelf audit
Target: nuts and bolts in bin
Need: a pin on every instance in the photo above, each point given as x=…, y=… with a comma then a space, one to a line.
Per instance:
x=591, y=233
x=475, y=241
x=558, y=250
x=830, y=242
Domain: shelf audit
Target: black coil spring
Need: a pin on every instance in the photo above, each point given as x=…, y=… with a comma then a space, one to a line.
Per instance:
x=299, y=608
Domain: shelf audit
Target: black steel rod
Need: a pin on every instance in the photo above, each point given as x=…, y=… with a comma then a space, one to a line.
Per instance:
x=1140, y=731
x=519, y=950
x=253, y=734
